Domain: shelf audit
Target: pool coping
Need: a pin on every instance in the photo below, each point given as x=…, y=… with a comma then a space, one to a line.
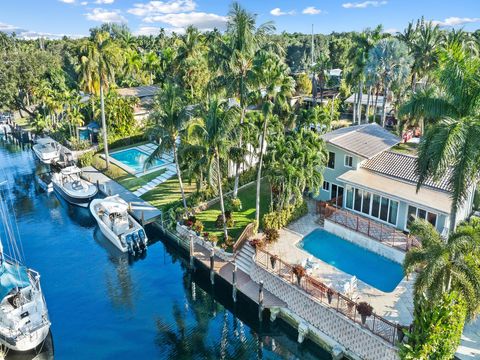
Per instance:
x=130, y=170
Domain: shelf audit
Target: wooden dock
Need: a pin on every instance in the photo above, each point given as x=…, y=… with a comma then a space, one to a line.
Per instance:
x=141, y=210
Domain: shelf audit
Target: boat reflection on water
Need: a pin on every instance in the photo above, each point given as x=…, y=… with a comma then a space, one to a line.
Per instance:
x=77, y=214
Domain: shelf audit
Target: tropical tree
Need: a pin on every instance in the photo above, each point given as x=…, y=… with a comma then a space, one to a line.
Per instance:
x=445, y=265
x=452, y=141
x=215, y=127
x=168, y=121
x=100, y=56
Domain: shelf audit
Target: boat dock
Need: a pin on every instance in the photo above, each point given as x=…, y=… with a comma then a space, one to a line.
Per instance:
x=140, y=209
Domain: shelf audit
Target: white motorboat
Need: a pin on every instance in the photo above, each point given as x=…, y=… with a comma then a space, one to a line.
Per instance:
x=24, y=321
x=5, y=129
x=47, y=150
x=69, y=185
x=118, y=226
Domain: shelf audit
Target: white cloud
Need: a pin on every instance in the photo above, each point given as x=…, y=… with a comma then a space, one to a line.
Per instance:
x=311, y=10
x=454, y=21
x=153, y=8
x=104, y=1
x=103, y=15
x=29, y=34
x=392, y=31
x=201, y=20
x=7, y=28
x=363, y=5
x=84, y=3
x=278, y=12
x=148, y=30
x=67, y=1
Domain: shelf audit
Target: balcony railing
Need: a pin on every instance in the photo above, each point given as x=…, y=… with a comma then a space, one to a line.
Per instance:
x=321, y=293
x=385, y=234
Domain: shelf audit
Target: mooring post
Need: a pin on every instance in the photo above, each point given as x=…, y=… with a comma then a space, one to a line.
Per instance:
x=212, y=264
x=143, y=217
x=191, y=251
x=98, y=185
x=130, y=207
x=260, y=300
x=234, y=282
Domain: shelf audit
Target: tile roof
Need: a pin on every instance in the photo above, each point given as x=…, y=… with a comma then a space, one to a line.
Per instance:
x=403, y=166
x=365, y=140
x=139, y=91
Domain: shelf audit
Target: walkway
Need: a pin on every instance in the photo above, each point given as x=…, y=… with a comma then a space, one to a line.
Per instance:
x=141, y=210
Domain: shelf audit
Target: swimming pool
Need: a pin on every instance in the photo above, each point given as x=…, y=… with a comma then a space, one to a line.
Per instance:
x=369, y=267
x=134, y=159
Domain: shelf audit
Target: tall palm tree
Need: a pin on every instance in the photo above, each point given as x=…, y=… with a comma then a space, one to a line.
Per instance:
x=151, y=62
x=169, y=119
x=276, y=85
x=100, y=57
x=216, y=127
x=445, y=265
x=453, y=139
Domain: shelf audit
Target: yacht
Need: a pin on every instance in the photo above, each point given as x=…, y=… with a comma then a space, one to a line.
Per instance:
x=24, y=321
x=47, y=150
x=69, y=185
x=118, y=226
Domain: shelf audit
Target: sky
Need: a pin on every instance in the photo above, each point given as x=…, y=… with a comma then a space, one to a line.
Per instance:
x=55, y=18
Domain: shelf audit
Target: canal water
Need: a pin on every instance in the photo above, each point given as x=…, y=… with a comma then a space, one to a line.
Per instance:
x=104, y=305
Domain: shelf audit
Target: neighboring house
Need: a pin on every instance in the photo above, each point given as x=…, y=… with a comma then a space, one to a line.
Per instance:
x=365, y=177
x=145, y=94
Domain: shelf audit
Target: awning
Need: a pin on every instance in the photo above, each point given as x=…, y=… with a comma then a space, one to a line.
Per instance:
x=12, y=276
x=438, y=201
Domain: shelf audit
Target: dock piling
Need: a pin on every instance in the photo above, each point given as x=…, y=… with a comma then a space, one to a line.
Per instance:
x=191, y=251
x=260, y=300
x=234, y=282
x=212, y=266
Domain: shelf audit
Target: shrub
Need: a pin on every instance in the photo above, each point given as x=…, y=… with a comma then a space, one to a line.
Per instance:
x=229, y=220
x=86, y=159
x=476, y=199
x=234, y=204
x=76, y=144
x=189, y=223
x=437, y=328
x=278, y=219
x=256, y=243
x=271, y=235
x=211, y=237
x=365, y=309
x=303, y=84
x=299, y=272
x=198, y=226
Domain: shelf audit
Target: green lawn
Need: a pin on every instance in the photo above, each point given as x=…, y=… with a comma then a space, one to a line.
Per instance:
x=242, y=218
x=406, y=148
x=167, y=192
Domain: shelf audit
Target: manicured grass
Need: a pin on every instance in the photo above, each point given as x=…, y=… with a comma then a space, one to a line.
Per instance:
x=167, y=192
x=408, y=148
x=125, y=179
x=242, y=218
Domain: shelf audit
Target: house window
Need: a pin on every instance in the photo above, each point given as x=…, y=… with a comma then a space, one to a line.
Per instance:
x=414, y=212
x=331, y=160
x=358, y=200
x=349, y=202
x=326, y=186
x=366, y=202
x=348, y=161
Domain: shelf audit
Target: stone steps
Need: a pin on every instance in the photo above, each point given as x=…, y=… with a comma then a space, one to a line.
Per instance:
x=244, y=258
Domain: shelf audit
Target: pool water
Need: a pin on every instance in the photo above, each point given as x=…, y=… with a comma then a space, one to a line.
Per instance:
x=135, y=159
x=369, y=267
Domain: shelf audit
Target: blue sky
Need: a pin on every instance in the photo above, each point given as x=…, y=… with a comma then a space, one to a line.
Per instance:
x=74, y=17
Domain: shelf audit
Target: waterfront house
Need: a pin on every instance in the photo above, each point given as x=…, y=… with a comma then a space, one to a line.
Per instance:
x=145, y=95
x=364, y=176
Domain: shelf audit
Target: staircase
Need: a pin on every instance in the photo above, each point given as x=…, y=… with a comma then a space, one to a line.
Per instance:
x=244, y=258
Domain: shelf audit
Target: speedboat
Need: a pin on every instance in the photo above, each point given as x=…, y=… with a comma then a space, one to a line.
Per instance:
x=118, y=226
x=24, y=321
x=47, y=150
x=69, y=185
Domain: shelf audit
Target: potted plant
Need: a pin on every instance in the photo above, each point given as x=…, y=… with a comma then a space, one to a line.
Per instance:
x=329, y=295
x=256, y=243
x=365, y=310
x=299, y=272
x=273, y=260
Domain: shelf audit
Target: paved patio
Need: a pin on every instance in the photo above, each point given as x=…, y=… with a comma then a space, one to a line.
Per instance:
x=395, y=306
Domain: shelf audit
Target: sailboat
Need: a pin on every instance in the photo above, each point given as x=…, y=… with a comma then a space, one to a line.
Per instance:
x=24, y=321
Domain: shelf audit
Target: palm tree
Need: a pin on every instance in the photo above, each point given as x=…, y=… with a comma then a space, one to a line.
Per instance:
x=170, y=118
x=453, y=139
x=392, y=63
x=272, y=77
x=98, y=61
x=151, y=62
x=445, y=265
x=216, y=127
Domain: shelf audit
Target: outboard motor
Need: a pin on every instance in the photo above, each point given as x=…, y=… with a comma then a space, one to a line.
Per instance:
x=143, y=242
x=129, y=238
x=135, y=243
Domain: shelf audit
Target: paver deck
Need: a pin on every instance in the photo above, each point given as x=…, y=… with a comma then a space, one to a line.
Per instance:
x=141, y=210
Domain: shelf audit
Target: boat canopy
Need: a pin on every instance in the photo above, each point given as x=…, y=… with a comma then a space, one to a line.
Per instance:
x=12, y=276
x=44, y=141
x=70, y=170
x=112, y=207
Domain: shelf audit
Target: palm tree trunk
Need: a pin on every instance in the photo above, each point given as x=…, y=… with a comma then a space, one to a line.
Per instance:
x=360, y=96
x=367, y=111
x=220, y=191
x=104, y=126
x=179, y=176
x=354, y=107
x=376, y=105
x=237, y=167
x=259, y=173
x=384, y=106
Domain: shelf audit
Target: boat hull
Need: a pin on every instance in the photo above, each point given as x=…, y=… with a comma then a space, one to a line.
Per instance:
x=27, y=342
x=48, y=158
x=78, y=201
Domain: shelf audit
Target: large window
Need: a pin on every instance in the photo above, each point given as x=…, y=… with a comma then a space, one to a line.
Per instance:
x=414, y=212
x=331, y=160
x=373, y=205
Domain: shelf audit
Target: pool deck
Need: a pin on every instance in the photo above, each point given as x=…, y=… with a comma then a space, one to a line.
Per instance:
x=141, y=210
x=396, y=306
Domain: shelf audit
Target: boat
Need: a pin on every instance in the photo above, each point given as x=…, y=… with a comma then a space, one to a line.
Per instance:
x=70, y=186
x=118, y=226
x=24, y=321
x=47, y=150
x=5, y=129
